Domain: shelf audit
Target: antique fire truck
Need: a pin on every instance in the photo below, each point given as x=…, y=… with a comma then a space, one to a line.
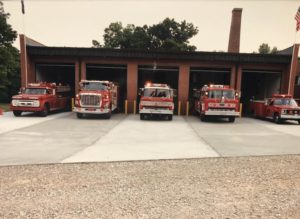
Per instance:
x=96, y=97
x=278, y=108
x=217, y=101
x=156, y=99
x=41, y=98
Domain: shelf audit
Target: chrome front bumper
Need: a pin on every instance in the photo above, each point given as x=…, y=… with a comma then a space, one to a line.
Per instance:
x=91, y=110
x=156, y=111
x=221, y=113
x=296, y=117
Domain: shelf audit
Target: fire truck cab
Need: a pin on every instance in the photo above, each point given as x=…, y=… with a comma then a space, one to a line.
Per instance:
x=96, y=97
x=216, y=101
x=279, y=107
x=156, y=99
x=42, y=98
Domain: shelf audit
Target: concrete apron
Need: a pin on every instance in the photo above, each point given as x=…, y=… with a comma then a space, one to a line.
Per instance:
x=10, y=123
x=133, y=139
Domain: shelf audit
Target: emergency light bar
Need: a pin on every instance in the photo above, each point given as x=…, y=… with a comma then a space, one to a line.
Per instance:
x=218, y=86
x=282, y=96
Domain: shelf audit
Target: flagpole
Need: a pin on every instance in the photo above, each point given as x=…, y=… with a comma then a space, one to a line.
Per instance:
x=24, y=33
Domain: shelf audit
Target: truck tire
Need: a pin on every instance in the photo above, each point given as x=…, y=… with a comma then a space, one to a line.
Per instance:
x=142, y=116
x=79, y=115
x=170, y=117
x=276, y=118
x=107, y=115
x=202, y=117
x=231, y=119
x=299, y=122
x=17, y=113
x=45, y=111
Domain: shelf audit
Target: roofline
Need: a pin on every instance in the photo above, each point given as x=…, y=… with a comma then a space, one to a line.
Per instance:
x=158, y=54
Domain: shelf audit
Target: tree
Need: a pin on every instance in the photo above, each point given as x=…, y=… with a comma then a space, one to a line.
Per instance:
x=9, y=59
x=166, y=35
x=265, y=49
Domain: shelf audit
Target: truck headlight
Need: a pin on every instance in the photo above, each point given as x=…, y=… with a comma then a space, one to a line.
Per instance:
x=283, y=111
x=15, y=102
x=36, y=103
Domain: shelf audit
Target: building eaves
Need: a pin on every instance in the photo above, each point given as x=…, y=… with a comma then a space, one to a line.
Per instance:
x=158, y=55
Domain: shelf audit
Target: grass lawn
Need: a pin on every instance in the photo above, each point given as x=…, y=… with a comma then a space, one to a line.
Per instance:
x=4, y=106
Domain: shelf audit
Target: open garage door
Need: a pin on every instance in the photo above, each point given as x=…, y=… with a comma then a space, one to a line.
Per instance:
x=258, y=84
x=115, y=73
x=158, y=74
x=56, y=73
x=201, y=76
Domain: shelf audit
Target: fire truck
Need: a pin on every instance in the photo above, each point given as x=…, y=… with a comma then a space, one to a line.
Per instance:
x=96, y=97
x=216, y=101
x=41, y=98
x=156, y=99
x=279, y=107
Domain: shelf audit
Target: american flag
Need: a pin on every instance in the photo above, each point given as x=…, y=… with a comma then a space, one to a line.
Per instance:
x=297, y=18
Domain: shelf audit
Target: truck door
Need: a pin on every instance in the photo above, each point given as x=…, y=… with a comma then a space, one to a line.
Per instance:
x=51, y=98
x=269, y=108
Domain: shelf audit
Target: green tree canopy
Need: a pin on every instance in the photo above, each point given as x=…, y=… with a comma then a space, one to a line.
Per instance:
x=266, y=49
x=166, y=35
x=9, y=59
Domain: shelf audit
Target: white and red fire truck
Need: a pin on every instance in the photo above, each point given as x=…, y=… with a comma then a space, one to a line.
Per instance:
x=42, y=98
x=279, y=107
x=96, y=97
x=217, y=101
x=156, y=99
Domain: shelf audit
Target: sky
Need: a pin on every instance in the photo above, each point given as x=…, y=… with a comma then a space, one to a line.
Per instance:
x=75, y=23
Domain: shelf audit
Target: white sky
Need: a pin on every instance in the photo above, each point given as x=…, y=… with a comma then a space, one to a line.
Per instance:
x=76, y=23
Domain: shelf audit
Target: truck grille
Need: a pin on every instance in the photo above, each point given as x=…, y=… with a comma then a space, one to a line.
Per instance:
x=90, y=100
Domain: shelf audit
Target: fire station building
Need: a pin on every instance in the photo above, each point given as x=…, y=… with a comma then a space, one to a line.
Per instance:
x=255, y=75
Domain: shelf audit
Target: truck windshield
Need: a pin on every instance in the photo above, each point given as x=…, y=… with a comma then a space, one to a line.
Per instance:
x=35, y=91
x=227, y=94
x=285, y=101
x=155, y=92
x=93, y=86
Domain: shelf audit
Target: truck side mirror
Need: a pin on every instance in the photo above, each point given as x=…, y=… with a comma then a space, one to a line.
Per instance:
x=266, y=102
x=238, y=94
x=22, y=89
x=174, y=93
x=140, y=91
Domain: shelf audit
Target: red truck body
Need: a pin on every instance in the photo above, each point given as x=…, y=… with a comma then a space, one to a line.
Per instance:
x=41, y=98
x=279, y=107
x=96, y=97
x=156, y=99
x=216, y=101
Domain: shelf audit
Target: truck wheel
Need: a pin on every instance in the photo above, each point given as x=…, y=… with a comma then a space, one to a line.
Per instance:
x=45, y=111
x=142, y=116
x=17, y=113
x=276, y=119
x=231, y=119
x=299, y=122
x=202, y=117
x=170, y=117
x=79, y=115
x=107, y=115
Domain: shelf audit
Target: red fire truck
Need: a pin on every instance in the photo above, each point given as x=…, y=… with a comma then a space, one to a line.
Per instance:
x=42, y=98
x=278, y=108
x=156, y=99
x=96, y=97
x=217, y=101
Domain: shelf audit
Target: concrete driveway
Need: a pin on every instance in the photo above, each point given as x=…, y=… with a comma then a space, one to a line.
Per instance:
x=63, y=138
